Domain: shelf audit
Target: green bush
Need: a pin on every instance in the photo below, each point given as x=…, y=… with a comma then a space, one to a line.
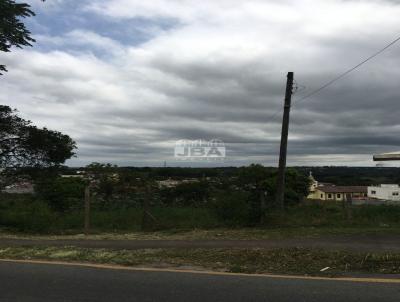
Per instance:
x=61, y=194
x=28, y=217
x=232, y=207
x=186, y=194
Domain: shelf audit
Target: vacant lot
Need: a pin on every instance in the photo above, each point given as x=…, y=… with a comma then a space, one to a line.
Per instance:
x=25, y=215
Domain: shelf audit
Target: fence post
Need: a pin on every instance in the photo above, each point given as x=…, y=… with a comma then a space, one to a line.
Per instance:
x=87, y=210
x=348, y=203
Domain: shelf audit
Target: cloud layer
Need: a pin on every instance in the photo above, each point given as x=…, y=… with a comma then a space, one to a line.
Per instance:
x=126, y=79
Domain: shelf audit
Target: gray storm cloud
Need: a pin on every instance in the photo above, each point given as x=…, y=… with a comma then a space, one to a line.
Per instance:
x=219, y=73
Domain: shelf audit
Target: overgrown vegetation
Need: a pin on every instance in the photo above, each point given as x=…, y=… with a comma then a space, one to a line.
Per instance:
x=218, y=198
x=292, y=261
x=28, y=214
x=120, y=197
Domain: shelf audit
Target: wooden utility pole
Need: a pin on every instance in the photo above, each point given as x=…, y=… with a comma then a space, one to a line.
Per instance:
x=87, y=210
x=280, y=186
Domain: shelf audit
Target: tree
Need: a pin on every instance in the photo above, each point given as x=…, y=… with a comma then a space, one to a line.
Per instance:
x=297, y=186
x=259, y=184
x=187, y=194
x=23, y=145
x=61, y=194
x=105, y=180
x=12, y=30
x=254, y=179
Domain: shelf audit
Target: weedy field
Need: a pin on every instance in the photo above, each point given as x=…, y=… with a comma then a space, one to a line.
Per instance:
x=299, y=261
x=24, y=215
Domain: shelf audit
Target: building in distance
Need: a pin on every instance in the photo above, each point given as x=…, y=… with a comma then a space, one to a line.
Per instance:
x=385, y=192
x=328, y=191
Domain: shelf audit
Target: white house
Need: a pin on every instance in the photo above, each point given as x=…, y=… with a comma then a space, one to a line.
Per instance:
x=384, y=192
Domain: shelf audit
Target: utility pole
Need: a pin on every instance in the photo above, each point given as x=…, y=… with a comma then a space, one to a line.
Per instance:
x=280, y=186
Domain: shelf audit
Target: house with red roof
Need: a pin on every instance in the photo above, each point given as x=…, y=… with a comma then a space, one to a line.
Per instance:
x=324, y=191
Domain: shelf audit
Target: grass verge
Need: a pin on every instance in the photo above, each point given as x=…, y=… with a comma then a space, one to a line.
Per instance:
x=219, y=233
x=298, y=261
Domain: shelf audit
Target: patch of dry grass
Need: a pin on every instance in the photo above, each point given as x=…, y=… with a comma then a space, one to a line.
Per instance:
x=284, y=261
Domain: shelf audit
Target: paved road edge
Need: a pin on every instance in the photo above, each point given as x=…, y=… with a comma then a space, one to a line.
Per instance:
x=201, y=272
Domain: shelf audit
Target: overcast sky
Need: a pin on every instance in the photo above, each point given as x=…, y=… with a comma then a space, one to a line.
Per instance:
x=126, y=79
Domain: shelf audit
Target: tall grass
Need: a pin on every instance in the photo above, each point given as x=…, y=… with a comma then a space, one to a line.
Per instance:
x=30, y=215
x=25, y=214
x=334, y=215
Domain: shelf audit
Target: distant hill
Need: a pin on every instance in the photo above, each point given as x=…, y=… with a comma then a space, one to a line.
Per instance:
x=352, y=176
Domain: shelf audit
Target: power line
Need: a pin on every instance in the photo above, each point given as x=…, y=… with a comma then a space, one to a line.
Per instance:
x=348, y=71
x=275, y=114
x=296, y=87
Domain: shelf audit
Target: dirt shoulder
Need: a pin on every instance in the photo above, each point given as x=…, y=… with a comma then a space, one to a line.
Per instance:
x=357, y=243
x=218, y=233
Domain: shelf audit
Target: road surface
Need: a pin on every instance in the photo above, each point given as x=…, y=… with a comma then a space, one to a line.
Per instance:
x=362, y=243
x=27, y=282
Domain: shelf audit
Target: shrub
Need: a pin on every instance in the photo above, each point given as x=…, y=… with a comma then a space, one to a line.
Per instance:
x=61, y=194
x=232, y=207
x=28, y=217
x=186, y=194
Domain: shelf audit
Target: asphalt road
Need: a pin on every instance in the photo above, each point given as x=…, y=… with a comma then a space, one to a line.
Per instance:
x=23, y=282
x=363, y=243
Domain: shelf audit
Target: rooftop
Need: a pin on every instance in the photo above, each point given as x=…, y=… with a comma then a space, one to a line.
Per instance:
x=343, y=189
x=386, y=186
